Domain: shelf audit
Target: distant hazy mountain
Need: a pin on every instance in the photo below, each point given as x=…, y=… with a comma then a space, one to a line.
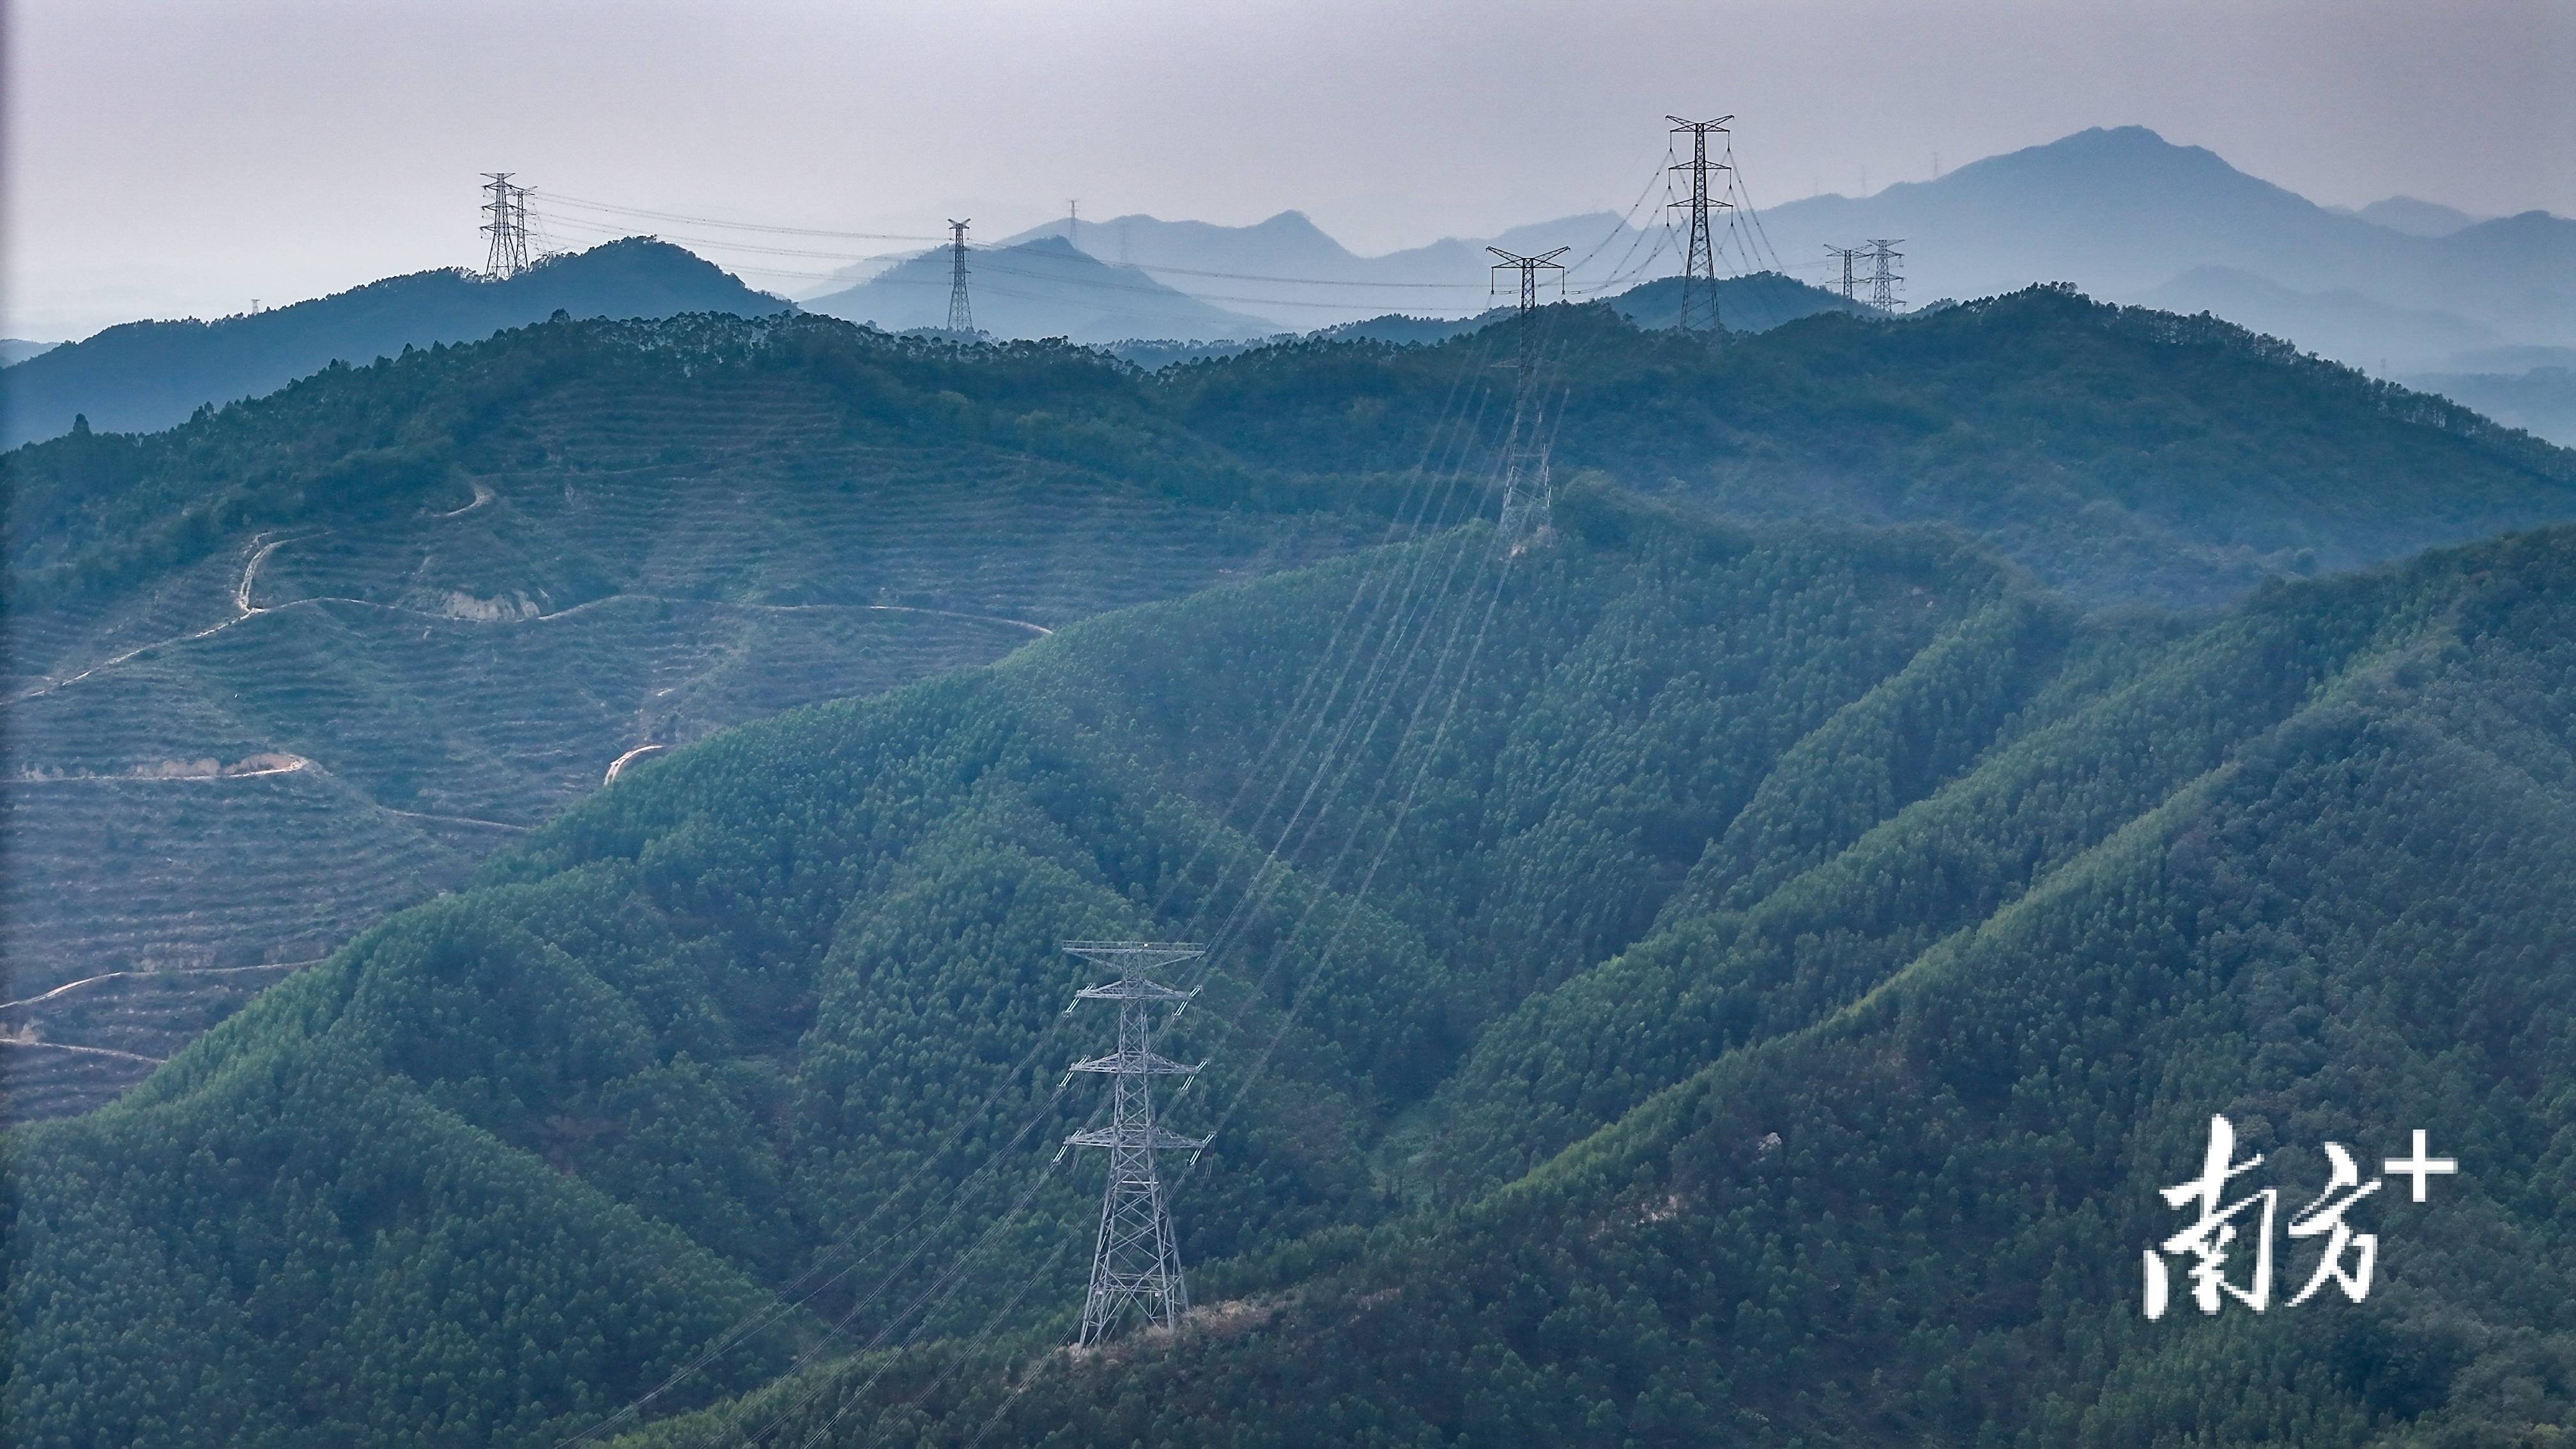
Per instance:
x=1039, y=288
x=2515, y=359
x=1756, y=303
x=1289, y=269
x=2400, y=285
x=144, y=376
x=2343, y=324
x=2123, y=212
x=2413, y=217
x=18, y=349
x=2540, y=401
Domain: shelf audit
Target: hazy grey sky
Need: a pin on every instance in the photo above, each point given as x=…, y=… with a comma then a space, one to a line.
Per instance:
x=177, y=158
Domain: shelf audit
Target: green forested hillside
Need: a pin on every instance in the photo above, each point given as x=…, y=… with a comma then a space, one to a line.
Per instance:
x=2117, y=453
x=306, y=659
x=1715, y=986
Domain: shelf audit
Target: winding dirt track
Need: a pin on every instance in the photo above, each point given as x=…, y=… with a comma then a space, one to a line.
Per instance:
x=617, y=765
x=263, y=546
x=64, y=1046
x=71, y=986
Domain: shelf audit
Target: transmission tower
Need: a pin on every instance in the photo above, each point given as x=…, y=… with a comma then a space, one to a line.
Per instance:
x=1699, y=260
x=961, y=317
x=508, y=227
x=1528, y=495
x=1848, y=255
x=1529, y=268
x=1883, y=279
x=1136, y=1261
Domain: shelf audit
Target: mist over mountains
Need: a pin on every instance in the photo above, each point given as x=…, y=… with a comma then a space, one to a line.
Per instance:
x=2121, y=213
x=1286, y=268
x=1043, y=287
x=2411, y=216
x=2128, y=216
x=2400, y=288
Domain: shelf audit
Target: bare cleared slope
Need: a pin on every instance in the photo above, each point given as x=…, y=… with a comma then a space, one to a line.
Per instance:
x=238, y=762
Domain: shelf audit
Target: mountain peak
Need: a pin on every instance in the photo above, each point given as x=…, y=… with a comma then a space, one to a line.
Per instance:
x=2415, y=217
x=2111, y=145
x=1290, y=221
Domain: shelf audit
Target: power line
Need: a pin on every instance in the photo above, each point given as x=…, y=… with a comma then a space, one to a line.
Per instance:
x=1423, y=700
x=1699, y=260
x=1152, y=268
x=1145, y=287
x=557, y=198
x=1527, y=495
x=914, y=1230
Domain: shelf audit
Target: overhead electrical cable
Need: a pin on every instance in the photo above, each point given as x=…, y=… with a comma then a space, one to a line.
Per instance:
x=1397, y=637
x=1416, y=489
x=579, y=203
x=1427, y=465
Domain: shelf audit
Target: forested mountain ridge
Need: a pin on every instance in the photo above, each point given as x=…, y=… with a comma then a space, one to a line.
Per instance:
x=2116, y=452
x=305, y=659
x=2323, y=890
x=1879, y=932
x=142, y=376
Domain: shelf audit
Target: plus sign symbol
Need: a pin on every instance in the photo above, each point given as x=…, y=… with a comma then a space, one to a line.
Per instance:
x=2420, y=1165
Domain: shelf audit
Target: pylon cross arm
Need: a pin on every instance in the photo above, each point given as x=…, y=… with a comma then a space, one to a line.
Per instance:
x=1155, y=1138
x=1136, y=955
x=1134, y=989
x=1136, y=1064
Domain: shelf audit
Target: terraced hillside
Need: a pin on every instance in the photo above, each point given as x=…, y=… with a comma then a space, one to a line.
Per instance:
x=244, y=760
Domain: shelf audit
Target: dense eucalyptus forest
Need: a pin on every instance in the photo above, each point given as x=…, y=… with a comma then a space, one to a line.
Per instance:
x=1735, y=966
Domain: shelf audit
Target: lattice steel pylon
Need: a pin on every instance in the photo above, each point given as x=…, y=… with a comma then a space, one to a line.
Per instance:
x=1883, y=278
x=1528, y=495
x=1136, y=1262
x=961, y=317
x=1529, y=268
x=1699, y=259
x=508, y=228
x=1848, y=254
